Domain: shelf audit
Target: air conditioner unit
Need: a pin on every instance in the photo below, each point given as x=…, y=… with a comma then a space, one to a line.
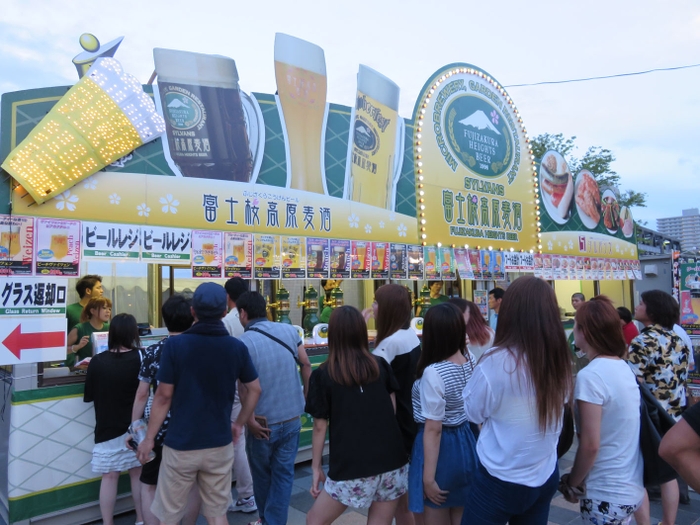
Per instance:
x=651, y=269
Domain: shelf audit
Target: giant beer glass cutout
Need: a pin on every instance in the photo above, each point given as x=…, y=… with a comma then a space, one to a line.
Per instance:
x=376, y=141
x=213, y=129
x=300, y=70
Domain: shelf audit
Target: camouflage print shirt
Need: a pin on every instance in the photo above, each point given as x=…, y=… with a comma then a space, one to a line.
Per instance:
x=660, y=358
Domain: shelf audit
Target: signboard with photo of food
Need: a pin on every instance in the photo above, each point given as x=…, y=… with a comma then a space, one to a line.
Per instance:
x=579, y=217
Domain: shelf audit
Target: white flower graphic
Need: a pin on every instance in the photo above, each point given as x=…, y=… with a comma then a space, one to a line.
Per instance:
x=566, y=248
x=90, y=183
x=402, y=230
x=381, y=224
x=368, y=228
x=143, y=210
x=170, y=204
x=114, y=199
x=549, y=245
x=392, y=216
x=66, y=200
x=571, y=244
x=354, y=221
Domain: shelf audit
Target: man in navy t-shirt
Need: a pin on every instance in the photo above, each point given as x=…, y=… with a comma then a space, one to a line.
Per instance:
x=197, y=383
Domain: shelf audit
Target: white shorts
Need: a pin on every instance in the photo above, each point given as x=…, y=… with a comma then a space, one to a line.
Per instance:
x=113, y=456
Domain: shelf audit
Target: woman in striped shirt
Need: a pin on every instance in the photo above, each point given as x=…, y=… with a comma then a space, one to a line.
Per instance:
x=444, y=452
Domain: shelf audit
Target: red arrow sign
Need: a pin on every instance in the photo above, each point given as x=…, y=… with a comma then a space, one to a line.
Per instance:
x=18, y=341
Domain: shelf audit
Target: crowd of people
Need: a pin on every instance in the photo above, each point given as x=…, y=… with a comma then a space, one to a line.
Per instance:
x=463, y=426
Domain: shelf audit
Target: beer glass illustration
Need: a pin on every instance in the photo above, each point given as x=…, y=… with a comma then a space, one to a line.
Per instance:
x=338, y=258
x=432, y=260
x=59, y=245
x=239, y=250
x=381, y=254
x=359, y=263
x=206, y=128
x=9, y=244
x=300, y=70
x=208, y=252
x=372, y=167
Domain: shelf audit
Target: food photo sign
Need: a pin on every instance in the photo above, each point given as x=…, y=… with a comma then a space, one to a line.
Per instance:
x=580, y=218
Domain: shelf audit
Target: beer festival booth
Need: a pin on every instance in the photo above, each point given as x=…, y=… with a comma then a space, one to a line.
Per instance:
x=160, y=187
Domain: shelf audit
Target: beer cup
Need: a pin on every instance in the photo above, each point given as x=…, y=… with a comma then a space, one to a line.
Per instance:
x=208, y=252
x=59, y=245
x=9, y=241
x=359, y=263
x=381, y=254
x=205, y=122
x=239, y=250
x=300, y=70
x=373, y=157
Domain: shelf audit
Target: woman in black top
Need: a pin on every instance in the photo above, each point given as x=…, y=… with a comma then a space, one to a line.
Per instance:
x=111, y=384
x=354, y=391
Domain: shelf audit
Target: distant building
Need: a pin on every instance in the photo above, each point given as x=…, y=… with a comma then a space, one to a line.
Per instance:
x=686, y=228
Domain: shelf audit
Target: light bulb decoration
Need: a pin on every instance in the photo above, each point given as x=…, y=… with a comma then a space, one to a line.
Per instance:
x=103, y=117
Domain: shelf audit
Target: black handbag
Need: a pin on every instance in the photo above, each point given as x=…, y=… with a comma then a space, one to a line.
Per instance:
x=654, y=423
x=566, y=438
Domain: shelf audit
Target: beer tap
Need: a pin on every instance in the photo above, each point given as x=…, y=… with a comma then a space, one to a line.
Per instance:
x=282, y=306
x=423, y=300
x=310, y=304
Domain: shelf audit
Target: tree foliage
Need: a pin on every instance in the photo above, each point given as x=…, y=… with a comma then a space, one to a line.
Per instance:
x=596, y=159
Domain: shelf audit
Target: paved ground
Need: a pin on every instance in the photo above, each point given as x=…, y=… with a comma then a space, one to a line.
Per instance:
x=561, y=513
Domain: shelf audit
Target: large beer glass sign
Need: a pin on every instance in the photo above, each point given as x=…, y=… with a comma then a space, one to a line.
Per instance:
x=377, y=141
x=300, y=69
x=475, y=181
x=207, y=126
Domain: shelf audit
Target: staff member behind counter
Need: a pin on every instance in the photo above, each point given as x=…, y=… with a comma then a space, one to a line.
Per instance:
x=88, y=287
x=95, y=318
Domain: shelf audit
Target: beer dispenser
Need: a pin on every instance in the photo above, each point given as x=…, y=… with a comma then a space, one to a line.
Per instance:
x=310, y=304
x=336, y=299
x=282, y=306
x=424, y=300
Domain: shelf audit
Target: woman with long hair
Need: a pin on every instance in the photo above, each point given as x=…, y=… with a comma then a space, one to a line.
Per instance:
x=400, y=347
x=111, y=384
x=353, y=391
x=95, y=318
x=444, y=457
x=518, y=391
x=608, y=460
x=479, y=334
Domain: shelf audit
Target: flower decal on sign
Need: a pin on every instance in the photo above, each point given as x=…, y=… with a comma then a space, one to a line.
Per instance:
x=354, y=221
x=381, y=224
x=169, y=203
x=368, y=228
x=90, y=183
x=66, y=200
x=494, y=117
x=143, y=209
x=114, y=199
x=402, y=230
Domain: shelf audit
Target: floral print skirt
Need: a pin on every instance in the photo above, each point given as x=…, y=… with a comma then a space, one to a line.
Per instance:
x=604, y=513
x=361, y=492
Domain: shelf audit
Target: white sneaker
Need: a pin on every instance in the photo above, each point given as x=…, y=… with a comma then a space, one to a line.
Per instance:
x=246, y=505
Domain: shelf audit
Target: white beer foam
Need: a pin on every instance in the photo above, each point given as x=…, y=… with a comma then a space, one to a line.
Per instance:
x=382, y=89
x=185, y=67
x=300, y=53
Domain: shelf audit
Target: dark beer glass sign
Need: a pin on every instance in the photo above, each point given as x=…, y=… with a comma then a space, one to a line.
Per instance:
x=203, y=111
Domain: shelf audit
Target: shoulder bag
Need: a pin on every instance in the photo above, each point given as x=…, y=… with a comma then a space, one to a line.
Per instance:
x=654, y=423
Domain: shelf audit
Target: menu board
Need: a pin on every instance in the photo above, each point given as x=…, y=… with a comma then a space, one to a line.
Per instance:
x=317, y=258
x=206, y=254
x=398, y=260
x=432, y=260
x=380, y=260
x=498, y=265
x=340, y=259
x=464, y=267
x=447, y=264
x=238, y=252
x=416, y=268
x=487, y=264
x=266, y=258
x=16, y=245
x=57, y=250
x=293, y=255
x=547, y=272
x=361, y=259
x=475, y=261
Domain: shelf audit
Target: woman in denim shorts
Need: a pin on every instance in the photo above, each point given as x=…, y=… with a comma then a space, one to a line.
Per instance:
x=354, y=391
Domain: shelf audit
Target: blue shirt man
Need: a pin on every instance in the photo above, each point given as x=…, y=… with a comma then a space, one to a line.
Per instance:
x=275, y=349
x=197, y=383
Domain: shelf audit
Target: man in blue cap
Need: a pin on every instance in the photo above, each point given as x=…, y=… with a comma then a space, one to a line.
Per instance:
x=197, y=383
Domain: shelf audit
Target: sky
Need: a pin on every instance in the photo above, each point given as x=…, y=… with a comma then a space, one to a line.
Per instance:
x=650, y=122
